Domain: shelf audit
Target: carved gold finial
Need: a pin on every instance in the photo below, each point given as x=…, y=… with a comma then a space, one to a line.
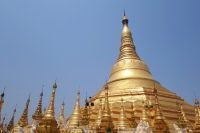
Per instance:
x=106, y=123
x=23, y=121
x=74, y=120
x=49, y=114
x=125, y=19
x=38, y=112
x=123, y=122
x=11, y=122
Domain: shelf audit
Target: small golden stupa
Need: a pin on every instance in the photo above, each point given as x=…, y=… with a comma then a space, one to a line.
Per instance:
x=48, y=124
x=11, y=123
x=22, y=125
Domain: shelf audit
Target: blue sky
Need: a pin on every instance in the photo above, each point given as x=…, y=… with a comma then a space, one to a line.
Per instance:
x=77, y=42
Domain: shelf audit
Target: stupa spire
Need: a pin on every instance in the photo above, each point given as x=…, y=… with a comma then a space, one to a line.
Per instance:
x=61, y=118
x=62, y=112
x=23, y=121
x=123, y=122
x=159, y=123
x=50, y=114
x=127, y=50
x=74, y=120
x=129, y=65
x=48, y=124
x=11, y=122
x=38, y=112
x=182, y=120
x=106, y=123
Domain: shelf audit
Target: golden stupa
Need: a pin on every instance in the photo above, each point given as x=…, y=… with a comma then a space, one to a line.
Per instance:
x=130, y=102
x=131, y=79
x=48, y=123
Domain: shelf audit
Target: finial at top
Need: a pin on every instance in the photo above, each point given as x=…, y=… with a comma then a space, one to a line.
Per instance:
x=78, y=92
x=28, y=101
x=196, y=101
x=2, y=94
x=55, y=85
x=41, y=94
x=14, y=111
x=125, y=19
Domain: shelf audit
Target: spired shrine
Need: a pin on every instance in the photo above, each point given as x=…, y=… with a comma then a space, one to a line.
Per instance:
x=130, y=102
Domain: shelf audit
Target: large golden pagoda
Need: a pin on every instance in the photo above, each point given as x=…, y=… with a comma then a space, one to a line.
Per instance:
x=131, y=79
x=130, y=102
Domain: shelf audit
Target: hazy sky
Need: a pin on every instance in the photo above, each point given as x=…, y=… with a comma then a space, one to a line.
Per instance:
x=77, y=42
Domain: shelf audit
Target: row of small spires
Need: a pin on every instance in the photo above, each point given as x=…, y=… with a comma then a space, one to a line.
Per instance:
x=23, y=121
x=38, y=115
